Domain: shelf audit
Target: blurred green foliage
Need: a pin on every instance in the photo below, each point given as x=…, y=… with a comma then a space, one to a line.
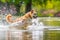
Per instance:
x=39, y=5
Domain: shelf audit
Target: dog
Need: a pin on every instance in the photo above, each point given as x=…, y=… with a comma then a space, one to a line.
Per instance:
x=21, y=22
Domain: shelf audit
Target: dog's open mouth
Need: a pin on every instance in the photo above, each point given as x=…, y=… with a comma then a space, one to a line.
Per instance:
x=35, y=16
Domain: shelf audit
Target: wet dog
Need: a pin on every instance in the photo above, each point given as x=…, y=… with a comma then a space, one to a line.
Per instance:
x=21, y=22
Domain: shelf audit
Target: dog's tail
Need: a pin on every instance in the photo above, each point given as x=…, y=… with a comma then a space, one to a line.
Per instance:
x=9, y=18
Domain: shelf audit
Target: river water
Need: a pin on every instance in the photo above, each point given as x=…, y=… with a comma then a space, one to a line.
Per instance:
x=36, y=28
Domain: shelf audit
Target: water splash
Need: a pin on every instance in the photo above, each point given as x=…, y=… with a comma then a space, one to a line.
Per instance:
x=36, y=25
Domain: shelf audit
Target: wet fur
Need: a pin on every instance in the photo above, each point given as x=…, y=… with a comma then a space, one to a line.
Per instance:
x=23, y=20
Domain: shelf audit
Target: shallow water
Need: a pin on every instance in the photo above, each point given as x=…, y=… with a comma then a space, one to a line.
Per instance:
x=36, y=27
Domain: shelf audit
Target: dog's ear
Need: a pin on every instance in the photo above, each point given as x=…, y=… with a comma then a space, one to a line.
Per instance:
x=32, y=11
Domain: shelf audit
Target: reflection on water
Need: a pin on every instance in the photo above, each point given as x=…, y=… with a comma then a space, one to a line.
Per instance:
x=2, y=35
x=52, y=34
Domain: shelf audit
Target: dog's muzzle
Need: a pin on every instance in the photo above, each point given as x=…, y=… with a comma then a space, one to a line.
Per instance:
x=35, y=16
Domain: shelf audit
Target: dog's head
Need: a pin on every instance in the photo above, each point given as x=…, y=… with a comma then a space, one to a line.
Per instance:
x=33, y=14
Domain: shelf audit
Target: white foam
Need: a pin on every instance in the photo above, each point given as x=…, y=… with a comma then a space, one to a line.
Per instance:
x=36, y=25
